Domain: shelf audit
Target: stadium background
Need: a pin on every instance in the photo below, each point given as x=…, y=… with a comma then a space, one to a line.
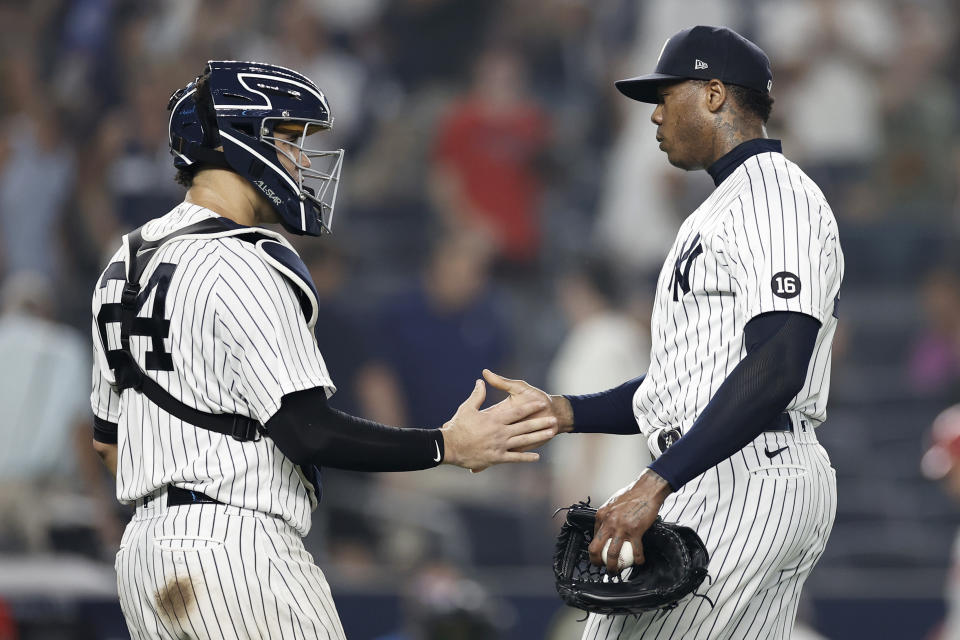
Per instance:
x=500, y=206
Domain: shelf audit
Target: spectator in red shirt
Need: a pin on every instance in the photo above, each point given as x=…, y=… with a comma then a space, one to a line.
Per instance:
x=8, y=628
x=486, y=158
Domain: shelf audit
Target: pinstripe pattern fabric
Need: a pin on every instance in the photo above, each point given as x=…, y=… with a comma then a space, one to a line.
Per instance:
x=766, y=218
x=765, y=240
x=234, y=330
x=239, y=342
x=216, y=571
x=765, y=523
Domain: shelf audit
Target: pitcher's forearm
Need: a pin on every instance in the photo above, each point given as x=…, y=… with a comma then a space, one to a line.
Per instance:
x=609, y=411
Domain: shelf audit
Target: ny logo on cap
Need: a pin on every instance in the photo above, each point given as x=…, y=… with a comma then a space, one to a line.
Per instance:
x=700, y=64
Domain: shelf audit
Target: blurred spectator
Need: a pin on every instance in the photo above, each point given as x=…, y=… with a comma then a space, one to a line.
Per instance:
x=134, y=142
x=45, y=425
x=572, y=48
x=827, y=54
x=940, y=463
x=220, y=29
x=569, y=45
x=364, y=388
x=353, y=16
x=486, y=164
x=437, y=337
x=604, y=348
x=82, y=79
x=442, y=604
x=305, y=44
x=8, y=628
x=433, y=41
x=934, y=365
x=641, y=201
x=919, y=109
x=36, y=173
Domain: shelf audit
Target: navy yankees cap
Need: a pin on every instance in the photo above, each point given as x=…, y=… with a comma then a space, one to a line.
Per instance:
x=704, y=53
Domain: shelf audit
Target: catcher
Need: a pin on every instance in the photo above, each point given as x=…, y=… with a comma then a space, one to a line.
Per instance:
x=209, y=389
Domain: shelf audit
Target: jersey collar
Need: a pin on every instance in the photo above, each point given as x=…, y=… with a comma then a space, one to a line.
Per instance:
x=726, y=165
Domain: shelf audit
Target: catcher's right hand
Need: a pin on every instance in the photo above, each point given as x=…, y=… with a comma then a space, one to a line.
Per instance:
x=476, y=439
x=521, y=391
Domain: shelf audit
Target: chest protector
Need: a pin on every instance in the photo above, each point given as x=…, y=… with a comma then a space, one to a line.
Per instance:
x=129, y=374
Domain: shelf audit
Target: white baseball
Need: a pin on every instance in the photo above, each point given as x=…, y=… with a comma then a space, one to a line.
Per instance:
x=626, y=554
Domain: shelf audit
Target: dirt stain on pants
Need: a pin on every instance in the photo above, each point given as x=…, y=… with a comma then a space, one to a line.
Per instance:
x=175, y=598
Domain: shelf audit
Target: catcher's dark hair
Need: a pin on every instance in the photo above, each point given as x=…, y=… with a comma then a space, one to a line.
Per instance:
x=754, y=102
x=185, y=176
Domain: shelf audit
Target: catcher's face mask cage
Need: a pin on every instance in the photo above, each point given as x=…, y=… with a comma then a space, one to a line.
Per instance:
x=315, y=171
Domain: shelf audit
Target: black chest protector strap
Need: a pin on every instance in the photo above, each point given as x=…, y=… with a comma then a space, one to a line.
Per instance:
x=128, y=373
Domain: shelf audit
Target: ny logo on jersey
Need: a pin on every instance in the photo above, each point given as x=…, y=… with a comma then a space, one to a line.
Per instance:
x=681, y=271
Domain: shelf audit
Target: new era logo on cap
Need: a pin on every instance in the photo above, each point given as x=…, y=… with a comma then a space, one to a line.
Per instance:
x=700, y=64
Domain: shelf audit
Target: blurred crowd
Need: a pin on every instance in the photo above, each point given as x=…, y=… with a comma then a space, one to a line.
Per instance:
x=501, y=206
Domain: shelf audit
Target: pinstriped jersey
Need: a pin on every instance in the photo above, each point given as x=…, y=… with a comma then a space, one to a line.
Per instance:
x=222, y=331
x=765, y=240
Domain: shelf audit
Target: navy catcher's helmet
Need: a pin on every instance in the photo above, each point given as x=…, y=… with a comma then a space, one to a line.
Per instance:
x=241, y=106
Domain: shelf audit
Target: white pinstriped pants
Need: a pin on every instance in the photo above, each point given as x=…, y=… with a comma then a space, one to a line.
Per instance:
x=216, y=571
x=765, y=522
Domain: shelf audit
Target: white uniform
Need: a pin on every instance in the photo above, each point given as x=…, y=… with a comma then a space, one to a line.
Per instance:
x=765, y=240
x=231, y=326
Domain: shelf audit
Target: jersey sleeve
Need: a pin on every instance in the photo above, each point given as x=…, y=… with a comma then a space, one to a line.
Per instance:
x=780, y=246
x=104, y=398
x=270, y=350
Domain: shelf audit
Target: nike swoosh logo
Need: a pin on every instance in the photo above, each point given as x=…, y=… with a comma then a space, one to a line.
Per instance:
x=437, y=445
x=775, y=452
x=143, y=252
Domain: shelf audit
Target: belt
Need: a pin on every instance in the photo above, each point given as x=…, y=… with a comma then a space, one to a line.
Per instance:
x=780, y=423
x=660, y=441
x=177, y=496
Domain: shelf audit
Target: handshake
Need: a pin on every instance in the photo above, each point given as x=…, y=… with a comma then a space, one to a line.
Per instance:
x=526, y=419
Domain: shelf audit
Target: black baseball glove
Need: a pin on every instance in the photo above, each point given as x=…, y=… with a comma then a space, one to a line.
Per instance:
x=675, y=564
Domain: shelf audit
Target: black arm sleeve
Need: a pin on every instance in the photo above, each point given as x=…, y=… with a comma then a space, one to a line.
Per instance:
x=609, y=411
x=309, y=431
x=103, y=431
x=779, y=346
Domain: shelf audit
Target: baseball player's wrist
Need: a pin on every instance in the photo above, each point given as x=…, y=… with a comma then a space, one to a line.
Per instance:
x=654, y=485
x=562, y=410
x=447, y=441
